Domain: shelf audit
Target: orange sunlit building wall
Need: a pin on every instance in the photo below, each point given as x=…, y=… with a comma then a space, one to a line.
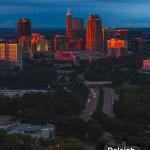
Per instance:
x=113, y=43
x=94, y=34
x=15, y=53
x=2, y=52
x=117, y=48
x=11, y=53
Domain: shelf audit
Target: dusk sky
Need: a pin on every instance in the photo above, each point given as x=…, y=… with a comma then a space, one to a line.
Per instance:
x=51, y=13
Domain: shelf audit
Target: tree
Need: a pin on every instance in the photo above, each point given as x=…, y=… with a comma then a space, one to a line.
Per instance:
x=95, y=131
x=100, y=145
x=71, y=144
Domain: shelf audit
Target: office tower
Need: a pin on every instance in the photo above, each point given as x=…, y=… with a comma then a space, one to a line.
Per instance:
x=23, y=28
x=60, y=42
x=77, y=28
x=11, y=53
x=135, y=45
x=15, y=53
x=117, y=48
x=80, y=44
x=25, y=41
x=68, y=24
x=94, y=34
x=39, y=43
x=121, y=34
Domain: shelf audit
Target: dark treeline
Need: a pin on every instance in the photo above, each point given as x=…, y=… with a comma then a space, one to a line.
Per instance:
x=119, y=70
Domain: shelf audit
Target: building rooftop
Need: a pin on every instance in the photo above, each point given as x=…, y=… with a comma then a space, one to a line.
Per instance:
x=29, y=127
x=68, y=13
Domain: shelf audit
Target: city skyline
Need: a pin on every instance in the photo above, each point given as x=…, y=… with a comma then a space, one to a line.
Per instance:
x=50, y=13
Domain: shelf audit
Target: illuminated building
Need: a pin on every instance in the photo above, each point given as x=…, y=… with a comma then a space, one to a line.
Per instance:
x=146, y=66
x=2, y=52
x=79, y=44
x=117, y=48
x=39, y=43
x=25, y=41
x=77, y=28
x=23, y=28
x=74, y=55
x=11, y=53
x=121, y=34
x=74, y=33
x=68, y=24
x=133, y=37
x=60, y=43
x=94, y=34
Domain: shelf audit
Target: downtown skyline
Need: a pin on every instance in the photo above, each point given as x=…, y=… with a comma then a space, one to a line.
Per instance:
x=50, y=13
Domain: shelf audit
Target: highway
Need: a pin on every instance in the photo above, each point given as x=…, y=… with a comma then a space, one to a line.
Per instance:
x=90, y=104
x=109, y=97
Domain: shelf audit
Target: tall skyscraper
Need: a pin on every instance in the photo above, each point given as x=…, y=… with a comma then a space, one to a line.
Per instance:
x=68, y=24
x=23, y=28
x=94, y=34
x=77, y=28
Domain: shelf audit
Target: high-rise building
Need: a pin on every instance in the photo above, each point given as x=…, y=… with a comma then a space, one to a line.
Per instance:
x=23, y=28
x=11, y=53
x=121, y=34
x=60, y=42
x=68, y=24
x=39, y=43
x=117, y=48
x=94, y=34
x=77, y=28
x=25, y=41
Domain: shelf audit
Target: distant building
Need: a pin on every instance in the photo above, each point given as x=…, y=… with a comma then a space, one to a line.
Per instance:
x=77, y=28
x=23, y=27
x=145, y=44
x=75, y=56
x=134, y=33
x=68, y=24
x=39, y=43
x=80, y=44
x=135, y=45
x=117, y=48
x=35, y=131
x=25, y=41
x=121, y=34
x=60, y=42
x=94, y=34
x=11, y=53
x=146, y=66
x=74, y=32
